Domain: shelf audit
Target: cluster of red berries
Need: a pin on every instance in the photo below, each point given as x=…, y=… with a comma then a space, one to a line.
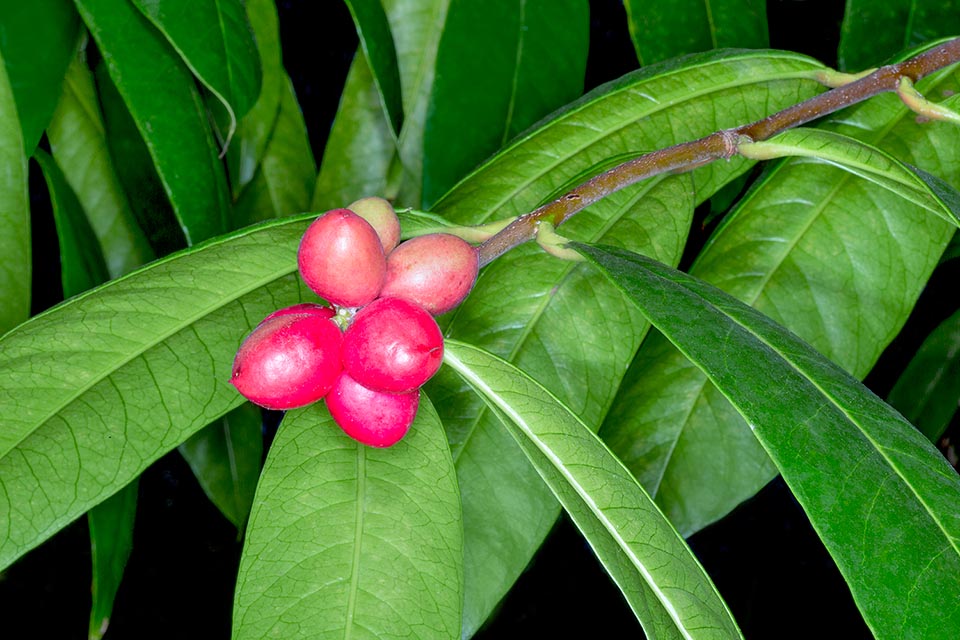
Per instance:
x=369, y=353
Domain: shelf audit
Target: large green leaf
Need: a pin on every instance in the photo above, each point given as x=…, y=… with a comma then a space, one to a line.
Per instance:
x=362, y=150
x=874, y=30
x=15, y=263
x=347, y=540
x=97, y=388
x=551, y=318
x=928, y=391
x=501, y=66
x=78, y=143
x=837, y=259
x=215, y=40
x=376, y=40
x=285, y=178
x=657, y=573
x=662, y=30
x=225, y=457
x=37, y=41
x=160, y=93
x=881, y=498
x=255, y=129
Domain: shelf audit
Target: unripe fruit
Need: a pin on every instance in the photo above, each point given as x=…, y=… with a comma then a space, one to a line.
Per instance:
x=381, y=216
x=435, y=271
x=372, y=417
x=304, y=307
x=288, y=361
x=341, y=259
x=392, y=346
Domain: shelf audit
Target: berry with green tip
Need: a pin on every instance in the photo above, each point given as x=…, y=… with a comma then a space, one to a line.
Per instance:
x=382, y=217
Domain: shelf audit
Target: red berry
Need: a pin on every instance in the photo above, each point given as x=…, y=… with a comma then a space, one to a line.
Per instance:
x=436, y=271
x=372, y=417
x=381, y=216
x=304, y=307
x=288, y=361
x=341, y=259
x=393, y=346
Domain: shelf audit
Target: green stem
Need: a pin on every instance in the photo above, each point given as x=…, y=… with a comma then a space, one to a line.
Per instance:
x=687, y=156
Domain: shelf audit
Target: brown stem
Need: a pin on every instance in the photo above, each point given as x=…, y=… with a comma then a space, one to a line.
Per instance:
x=722, y=144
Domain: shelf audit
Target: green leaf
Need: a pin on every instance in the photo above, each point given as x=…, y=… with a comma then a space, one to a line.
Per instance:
x=255, y=129
x=215, y=40
x=881, y=498
x=102, y=385
x=362, y=152
x=657, y=573
x=662, y=30
x=284, y=181
x=376, y=40
x=551, y=318
x=347, y=540
x=225, y=457
x=37, y=41
x=836, y=259
x=928, y=390
x=554, y=321
x=160, y=93
x=874, y=30
x=501, y=66
x=81, y=262
x=15, y=263
x=360, y=149
x=78, y=143
x=111, y=540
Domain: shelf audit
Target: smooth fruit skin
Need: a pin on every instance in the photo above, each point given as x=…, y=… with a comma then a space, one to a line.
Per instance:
x=372, y=417
x=381, y=216
x=436, y=271
x=341, y=259
x=304, y=307
x=392, y=346
x=288, y=361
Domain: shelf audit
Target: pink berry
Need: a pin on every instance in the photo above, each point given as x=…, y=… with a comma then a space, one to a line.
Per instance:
x=435, y=271
x=304, y=307
x=372, y=417
x=341, y=259
x=381, y=216
x=392, y=345
x=288, y=361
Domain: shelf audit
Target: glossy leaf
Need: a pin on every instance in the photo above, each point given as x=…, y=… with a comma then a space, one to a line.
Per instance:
x=78, y=143
x=836, y=259
x=557, y=323
x=37, y=41
x=928, y=391
x=284, y=181
x=256, y=127
x=214, y=39
x=15, y=263
x=657, y=573
x=347, y=540
x=361, y=154
x=662, y=30
x=874, y=30
x=225, y=457
x=501, y=66
x=881, y=498
x=81, y=263
x=550, y=318
x=102, y=385
x=376, y=40
x=111, y=537
x=158, y=90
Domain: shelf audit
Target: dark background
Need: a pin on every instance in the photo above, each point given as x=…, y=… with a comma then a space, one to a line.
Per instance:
x=764, y=558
